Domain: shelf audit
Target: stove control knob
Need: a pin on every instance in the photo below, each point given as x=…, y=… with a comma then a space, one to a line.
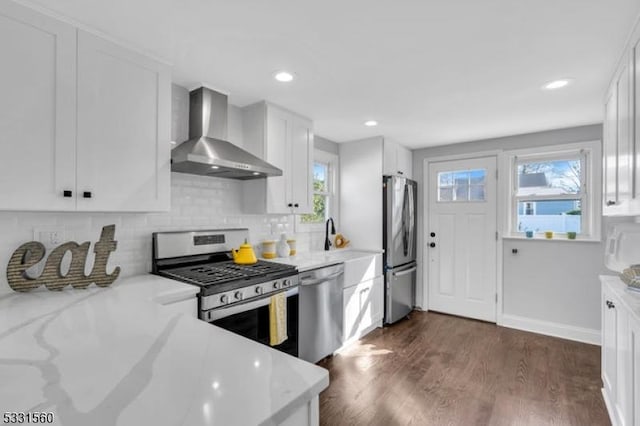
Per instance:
x=286, y=283
x=259, y=290
x=238, y=295
x=224, y=299
x=276, y=285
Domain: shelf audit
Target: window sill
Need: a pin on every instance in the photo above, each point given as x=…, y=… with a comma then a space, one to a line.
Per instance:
x=554, y=239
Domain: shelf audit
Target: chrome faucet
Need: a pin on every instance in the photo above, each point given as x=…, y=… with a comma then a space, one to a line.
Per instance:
x=327, y=242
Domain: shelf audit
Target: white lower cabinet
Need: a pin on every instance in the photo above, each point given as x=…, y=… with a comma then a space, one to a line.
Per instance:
x=363, y=297
x=634, y=345
x=363, y=308
x=620, y=356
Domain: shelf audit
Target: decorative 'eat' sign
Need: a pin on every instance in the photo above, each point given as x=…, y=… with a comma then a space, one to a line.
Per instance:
x=33, y=252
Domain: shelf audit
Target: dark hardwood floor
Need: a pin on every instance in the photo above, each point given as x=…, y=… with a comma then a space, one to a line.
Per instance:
x=436, y=369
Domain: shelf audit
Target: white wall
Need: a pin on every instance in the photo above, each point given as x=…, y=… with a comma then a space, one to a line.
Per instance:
x=548, y=283
x=361, y=192
x=197, y=202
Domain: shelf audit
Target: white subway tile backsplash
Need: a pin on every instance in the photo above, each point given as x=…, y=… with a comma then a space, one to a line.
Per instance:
x=197, y=202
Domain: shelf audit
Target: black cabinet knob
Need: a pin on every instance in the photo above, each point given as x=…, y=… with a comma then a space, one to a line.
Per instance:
x=611, y=203
x=87, y=194
x=66, y=193
x=296, y=205
x=610, y=304
x=432, y=244
x=433, y=234
x=400, y=173
x=289, y=205
x=514, y=251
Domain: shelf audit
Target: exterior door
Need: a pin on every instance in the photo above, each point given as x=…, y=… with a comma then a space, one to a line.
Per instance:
x=461, y=237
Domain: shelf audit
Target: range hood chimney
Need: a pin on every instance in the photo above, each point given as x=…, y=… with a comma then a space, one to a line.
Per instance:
x=207, y=152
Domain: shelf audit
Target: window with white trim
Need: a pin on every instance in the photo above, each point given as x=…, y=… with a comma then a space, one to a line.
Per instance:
x=325, y=166
x=552, y=189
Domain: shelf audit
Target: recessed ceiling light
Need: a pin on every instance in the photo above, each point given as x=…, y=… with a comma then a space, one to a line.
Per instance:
x=557, y=84
x=256, y=173
x=283, y=76
x=371, y=123
x=215, y=167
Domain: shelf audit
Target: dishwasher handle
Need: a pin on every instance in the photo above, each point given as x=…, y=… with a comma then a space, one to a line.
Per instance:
x=321, y=280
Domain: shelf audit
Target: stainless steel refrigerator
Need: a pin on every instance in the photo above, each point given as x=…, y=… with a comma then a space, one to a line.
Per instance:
x=399, y=242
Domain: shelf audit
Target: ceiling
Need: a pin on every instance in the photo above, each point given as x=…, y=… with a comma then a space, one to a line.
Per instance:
x=431, y=72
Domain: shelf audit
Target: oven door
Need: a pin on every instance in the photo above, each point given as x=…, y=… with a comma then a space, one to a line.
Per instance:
x=251, y=320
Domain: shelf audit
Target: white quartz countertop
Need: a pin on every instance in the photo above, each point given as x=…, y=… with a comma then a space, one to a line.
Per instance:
x=630, y=298
x=318, y=259
x=114, y=356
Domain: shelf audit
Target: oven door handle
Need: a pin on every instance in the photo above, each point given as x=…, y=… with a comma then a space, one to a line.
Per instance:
x=219, y=313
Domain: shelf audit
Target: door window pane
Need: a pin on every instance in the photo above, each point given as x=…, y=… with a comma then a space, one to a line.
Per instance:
x=550, y=215
x=461, y=185
x=549, y=177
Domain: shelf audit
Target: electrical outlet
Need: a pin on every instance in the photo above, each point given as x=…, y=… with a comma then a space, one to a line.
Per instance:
x=50, y=238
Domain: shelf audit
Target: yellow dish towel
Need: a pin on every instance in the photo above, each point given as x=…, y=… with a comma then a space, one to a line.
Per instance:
x=278, y=319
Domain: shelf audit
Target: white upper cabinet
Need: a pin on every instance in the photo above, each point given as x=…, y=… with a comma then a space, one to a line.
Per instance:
x=285, y=140
x=621, y=135
x=397, y=160
x=37, y=111
x=124, y=125
x=85, y=124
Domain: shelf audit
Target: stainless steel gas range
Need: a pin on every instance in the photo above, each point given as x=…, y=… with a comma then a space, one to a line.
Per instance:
x=234, y=297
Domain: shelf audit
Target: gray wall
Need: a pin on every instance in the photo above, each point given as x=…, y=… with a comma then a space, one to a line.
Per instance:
x=551, y=281
x=326, y=145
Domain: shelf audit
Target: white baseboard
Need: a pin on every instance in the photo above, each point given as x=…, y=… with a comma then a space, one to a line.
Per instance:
x=570, y=332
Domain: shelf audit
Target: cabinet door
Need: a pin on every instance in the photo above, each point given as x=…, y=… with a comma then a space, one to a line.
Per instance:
x=623, y=403
x=124, y=118
x=300, y=180
x=377, y=299
x=278, y=133
x=610, y=150
x=609, y=347
x=625, y=148
x=351, y=306
x=634, y=372
x=636, y=113
x=37, y=110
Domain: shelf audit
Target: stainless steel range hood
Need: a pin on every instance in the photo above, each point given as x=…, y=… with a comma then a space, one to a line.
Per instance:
x=207, y=152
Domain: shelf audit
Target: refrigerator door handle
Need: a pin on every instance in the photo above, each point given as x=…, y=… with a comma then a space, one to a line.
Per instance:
x=412, y=223
x=405, y=272
x=405, y=220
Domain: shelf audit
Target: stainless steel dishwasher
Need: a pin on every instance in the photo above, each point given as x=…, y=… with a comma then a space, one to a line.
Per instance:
x=320, y=312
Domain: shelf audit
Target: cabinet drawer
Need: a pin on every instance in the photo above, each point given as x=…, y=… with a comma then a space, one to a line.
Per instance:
x=362, y=269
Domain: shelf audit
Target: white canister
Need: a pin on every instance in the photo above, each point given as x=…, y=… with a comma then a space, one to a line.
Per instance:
x=282, y=248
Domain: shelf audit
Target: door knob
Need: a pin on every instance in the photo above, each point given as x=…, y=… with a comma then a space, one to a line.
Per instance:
x=432, y=244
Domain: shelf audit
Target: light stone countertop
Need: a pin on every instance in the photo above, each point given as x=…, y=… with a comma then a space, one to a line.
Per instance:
x=318, y=259
x=114, y=356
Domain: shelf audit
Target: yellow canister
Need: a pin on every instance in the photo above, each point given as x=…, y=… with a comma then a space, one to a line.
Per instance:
x=269, y=249
x=292, y=247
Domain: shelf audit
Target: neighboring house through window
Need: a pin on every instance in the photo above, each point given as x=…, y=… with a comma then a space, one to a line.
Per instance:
x=554, y=189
